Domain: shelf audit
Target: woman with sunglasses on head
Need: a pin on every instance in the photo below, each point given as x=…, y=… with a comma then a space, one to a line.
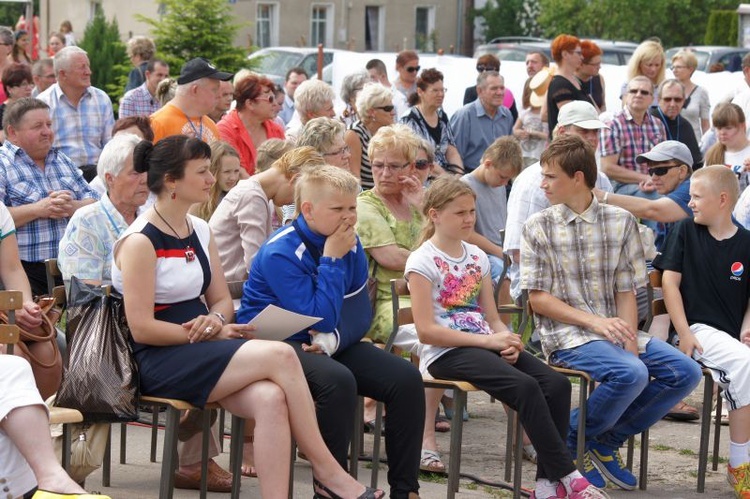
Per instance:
x=488, y=62
x=697, y=107
x=407, y=67
x=588, y=73
x=429, y=121
x=252, y=122
x=565, y=85
x=375, y=110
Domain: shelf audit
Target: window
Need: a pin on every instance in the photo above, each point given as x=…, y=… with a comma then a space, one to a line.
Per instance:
x=424, y=30
x=266, y=25
x=374, y=26
x=321, y=25
x=94, y=6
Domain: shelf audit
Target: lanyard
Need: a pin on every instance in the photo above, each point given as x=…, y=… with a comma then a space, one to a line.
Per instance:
x=198, y=131
x=669, y=132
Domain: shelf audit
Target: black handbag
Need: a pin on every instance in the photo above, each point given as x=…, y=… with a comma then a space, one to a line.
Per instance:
x=101, y=378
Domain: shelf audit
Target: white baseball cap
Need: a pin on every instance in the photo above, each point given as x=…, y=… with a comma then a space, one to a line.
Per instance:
x=581, y=114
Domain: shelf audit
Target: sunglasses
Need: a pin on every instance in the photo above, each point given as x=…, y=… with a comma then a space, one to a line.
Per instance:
x=413, y=69
x=270, y=98
x=482, y=68
x=634, y=91
x=422, y=164
x=387, y=109
x=673, y=99
x=660, y=171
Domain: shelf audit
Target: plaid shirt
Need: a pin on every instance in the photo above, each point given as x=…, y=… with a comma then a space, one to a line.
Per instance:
x=583, y=260
x=138, y=102
x=628, y=139
x=23, y=182
x=80, y=132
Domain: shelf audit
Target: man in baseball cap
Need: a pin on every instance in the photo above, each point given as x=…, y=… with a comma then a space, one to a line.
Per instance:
x=197, y=95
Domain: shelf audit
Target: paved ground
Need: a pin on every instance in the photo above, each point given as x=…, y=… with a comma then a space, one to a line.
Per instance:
x=672, y=463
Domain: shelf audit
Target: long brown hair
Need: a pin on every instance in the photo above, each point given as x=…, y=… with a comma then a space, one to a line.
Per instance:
x=725, y=114
x=219, y=151
x=444, y=190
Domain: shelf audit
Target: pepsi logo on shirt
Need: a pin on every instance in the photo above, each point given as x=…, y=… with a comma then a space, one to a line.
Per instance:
x=737, y=270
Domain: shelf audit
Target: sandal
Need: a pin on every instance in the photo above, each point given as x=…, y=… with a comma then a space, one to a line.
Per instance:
x=442, y=425
x=683, y=412
x=431, y=462
x=369, y=492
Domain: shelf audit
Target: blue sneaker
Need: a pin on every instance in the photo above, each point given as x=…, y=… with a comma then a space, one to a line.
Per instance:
x=591, y=473
x=610, y=463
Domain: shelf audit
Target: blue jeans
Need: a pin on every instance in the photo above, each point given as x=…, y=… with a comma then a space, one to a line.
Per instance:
x=497, y=265
x=635, y=392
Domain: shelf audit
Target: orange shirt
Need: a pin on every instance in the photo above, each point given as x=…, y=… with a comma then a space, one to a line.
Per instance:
x=233, y=131
x=171, y=120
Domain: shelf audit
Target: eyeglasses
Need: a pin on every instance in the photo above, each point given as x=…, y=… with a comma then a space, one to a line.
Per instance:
x=341, y=152
x=268, y=98
x=673, y=99
x=435, y=90
x=634, y=91
x=677, y=67
x=660, y=171
x=387, y=109
x=594, y=64
x=482, y=68
x=392, y=168
x=422, y=164
x=413, y=69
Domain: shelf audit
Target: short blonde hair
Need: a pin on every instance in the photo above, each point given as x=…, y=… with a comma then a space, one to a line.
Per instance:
x=294, y=160
x=269, y=151
x=686, y=56
x=319, y=178
x=371, y=96
x=320, y=133
x=398, y=138
x=505, y=152
x=720, y=179
x=311, y=96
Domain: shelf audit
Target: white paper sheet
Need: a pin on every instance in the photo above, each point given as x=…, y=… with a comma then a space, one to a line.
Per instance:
x=275, y=323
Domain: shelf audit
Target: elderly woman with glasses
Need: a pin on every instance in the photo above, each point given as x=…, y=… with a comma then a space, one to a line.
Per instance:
x=565, y=85
x=591, y=81
x=252, y=122
x=376, y=110
x=488, y=62
x=697, y=108
x=429, y=121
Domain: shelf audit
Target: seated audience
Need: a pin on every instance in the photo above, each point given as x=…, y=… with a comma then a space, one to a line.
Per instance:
x=320, y=257
x=671, y=103
x=18, y=82
x=464, y=338
x=163, y=264
x=732, y=149
x=489, y=62
x=142, y=100
x=43, y=74
x=312, y=99
x=587, y=317
x=225, y=167
x=709, y=312
x=326, y=136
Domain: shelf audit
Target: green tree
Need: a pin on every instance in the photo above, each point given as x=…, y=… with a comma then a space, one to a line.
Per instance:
x=10, y=12
x=722, y=28
x=197, y=28
x=107, y=56
x=509, y=18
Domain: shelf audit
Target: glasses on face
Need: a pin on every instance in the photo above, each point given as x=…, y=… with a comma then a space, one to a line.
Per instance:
x=594, y=64
x=481, y=68
x=268, y=98
x=413, y=69
x=676, y=100
x=387, y=109
x=435, y=90
x=660, y=171
x=677, y=67
x=392, y=168
x=340, y=152
x=422, y=164
x=634, y=91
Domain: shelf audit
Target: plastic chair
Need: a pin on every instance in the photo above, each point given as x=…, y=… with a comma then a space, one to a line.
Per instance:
x=10, y=335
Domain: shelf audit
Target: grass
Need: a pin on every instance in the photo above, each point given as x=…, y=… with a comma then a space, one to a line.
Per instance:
x=426, y=476
x=661, y=447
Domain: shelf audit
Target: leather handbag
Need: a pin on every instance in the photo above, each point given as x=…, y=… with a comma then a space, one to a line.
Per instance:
x=39, y=347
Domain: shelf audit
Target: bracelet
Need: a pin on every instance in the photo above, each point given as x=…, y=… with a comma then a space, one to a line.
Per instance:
x=604, y=199
x=220, y=316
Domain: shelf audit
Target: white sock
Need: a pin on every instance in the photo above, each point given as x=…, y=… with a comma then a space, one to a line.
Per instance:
x=738, y=454
x=568, y=479
x=545, y=488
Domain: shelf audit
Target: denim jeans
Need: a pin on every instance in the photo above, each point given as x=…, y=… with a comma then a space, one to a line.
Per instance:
x=635, y=392
x=497, y=265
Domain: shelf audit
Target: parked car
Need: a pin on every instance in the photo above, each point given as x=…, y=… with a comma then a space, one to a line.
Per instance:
x=613, y=52
x=274, y=62
x=729, y=57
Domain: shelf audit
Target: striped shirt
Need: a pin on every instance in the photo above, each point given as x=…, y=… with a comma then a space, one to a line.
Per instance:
x=80, y=132
x=139, y=102
x=365, y=170
x=583, y=260
x=628, y=139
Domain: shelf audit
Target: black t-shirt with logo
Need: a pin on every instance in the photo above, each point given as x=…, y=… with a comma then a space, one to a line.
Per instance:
x=715, y=282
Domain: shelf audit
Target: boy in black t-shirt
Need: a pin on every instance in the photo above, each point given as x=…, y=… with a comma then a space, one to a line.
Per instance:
x=706, y=262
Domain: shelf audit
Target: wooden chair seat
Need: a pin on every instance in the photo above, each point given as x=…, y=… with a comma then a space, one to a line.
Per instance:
x=63, y=415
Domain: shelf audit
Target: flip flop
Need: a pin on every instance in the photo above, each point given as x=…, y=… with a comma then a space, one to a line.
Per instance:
x=683, y=412
x=442, y=425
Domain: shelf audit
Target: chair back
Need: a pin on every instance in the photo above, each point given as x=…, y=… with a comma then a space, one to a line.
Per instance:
x=50, y=265
x=10, y=334
x=401, y=315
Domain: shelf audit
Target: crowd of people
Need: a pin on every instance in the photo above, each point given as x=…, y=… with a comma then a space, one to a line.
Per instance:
x=213, y=178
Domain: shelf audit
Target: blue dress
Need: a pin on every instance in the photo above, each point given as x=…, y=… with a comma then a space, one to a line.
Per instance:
x=187, y=372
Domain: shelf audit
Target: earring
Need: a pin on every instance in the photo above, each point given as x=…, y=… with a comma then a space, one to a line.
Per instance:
x=173, y=195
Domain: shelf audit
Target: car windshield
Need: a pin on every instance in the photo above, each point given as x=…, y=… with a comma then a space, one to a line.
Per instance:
x=276, y=62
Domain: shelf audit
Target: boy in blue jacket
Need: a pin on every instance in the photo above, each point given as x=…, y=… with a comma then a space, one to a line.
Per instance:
x=317, y=267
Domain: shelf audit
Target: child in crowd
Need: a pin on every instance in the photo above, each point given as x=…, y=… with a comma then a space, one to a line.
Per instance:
x=529, y=129
x=706, y=291
x=464, y=339
x=225, y=167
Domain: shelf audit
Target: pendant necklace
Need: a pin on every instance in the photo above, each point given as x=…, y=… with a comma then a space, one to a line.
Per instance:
x=189, y=251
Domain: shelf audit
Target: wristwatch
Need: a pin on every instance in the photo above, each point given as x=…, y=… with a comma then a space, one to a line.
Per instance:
x=221, y=317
